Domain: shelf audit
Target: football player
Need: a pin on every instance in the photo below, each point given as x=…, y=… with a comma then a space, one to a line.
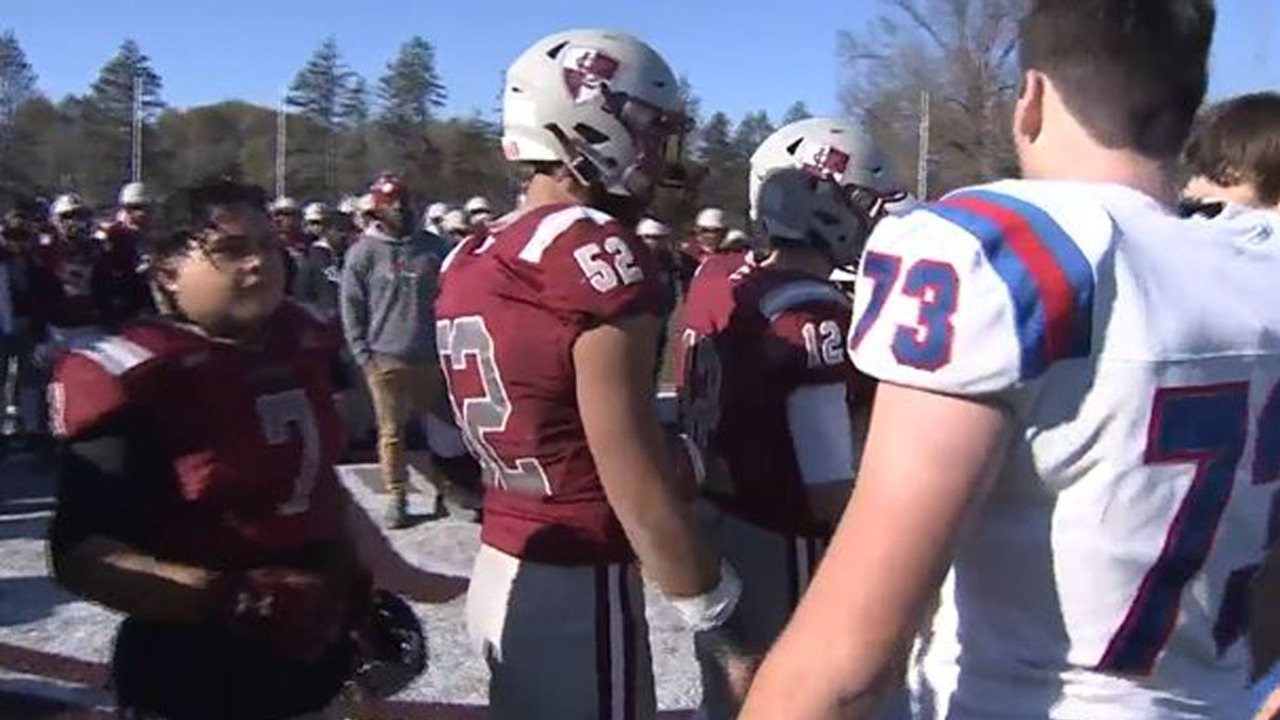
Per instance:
x=1234, y=155
x=766, y=384
x=546, y=330
x=198, y=495
x=1073, y=427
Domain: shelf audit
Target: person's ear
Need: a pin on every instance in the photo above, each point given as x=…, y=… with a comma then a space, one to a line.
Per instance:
x=1028, y=111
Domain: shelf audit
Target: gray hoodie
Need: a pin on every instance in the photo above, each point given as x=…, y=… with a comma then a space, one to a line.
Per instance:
x=388, y=297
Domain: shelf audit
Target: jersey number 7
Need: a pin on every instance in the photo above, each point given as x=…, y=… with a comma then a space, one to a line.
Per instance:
x=1206, y=426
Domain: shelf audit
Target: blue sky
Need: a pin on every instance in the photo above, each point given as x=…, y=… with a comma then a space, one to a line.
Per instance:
x=741, y=55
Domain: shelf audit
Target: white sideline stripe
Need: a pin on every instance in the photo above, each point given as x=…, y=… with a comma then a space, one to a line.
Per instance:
x=37, y=686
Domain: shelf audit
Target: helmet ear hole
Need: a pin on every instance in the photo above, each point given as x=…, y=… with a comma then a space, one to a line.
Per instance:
x=554, y=51
x=590, y=134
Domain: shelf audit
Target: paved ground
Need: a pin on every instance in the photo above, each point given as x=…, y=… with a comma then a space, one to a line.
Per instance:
x=53, y=646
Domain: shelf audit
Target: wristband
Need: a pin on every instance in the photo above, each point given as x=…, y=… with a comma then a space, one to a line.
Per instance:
x=695, y=459
x=711, y=609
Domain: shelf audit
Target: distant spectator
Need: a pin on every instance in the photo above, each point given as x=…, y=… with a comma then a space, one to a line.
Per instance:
x=21, y=388
x=478, y=212
x=709, y=232
x=62, y=273
x=433, y=219
x=319, y=277
x=287, y=222
x=120, y=288
x=1234, y=153
x=387, y=303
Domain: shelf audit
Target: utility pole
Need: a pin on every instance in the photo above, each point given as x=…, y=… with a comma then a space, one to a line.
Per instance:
x=135, y=170
x=282, y=140
x=922, y=161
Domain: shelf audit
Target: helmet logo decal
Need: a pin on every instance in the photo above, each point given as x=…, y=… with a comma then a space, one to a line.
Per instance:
x=585, y=70
x=826, y=162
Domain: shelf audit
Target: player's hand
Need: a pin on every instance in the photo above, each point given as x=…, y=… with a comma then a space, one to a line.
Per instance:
x=293, y=613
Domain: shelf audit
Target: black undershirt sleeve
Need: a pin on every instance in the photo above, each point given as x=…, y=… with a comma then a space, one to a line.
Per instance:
x=102, y=486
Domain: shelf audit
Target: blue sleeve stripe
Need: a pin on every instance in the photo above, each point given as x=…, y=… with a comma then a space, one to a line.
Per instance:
x=1050, y=282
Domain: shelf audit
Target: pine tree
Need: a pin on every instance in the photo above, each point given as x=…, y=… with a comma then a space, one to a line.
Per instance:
x=353, y=167
x=719, y=158
x=797, y=112
x=318, y=93
x=107, y=117
x=112, y=93
x=754, y=129
x=411, y=89
x=17, y=87
x=17, y=79
x=411, y=92
x=353, y=106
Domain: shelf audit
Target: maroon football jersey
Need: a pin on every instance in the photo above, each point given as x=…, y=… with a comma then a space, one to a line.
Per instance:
x=62, y=282
x=248, y=436
x=750, y=337
x=510, y=307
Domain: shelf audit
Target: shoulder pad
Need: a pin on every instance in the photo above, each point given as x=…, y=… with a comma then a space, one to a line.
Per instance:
x=796, y=293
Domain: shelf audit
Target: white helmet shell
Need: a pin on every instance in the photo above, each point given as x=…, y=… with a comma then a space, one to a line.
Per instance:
x=648, y=227
x=455, y=221
x=284, y=205
x=436, y=211
x=566, y=99
x=786, y=202
x=134, y=193
x=315, y=212
x=347, y=205
x=736, y=239
x=66, y=203
x=711, y=218
x=477, y=204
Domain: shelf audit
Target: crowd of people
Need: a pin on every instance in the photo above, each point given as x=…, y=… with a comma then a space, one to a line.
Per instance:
x=1024, y=468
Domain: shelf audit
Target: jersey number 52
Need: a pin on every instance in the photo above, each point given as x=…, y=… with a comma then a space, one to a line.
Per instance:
x=465, y=343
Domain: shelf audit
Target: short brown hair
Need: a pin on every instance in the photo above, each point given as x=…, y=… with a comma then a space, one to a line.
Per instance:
x=1133, y=72
x=1237, y=142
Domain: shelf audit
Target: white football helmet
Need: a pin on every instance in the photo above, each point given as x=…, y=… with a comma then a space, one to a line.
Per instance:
x=650, y=228
x=315, y=212
x=455, y=222
x=67, y=204
x=134, y=194
x=284, y=204
x=603, y=103
x=711, y=218
x=824, y=182
x=436, y=211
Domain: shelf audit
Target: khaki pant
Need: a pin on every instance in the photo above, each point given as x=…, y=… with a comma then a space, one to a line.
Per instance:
x=401, y=391
x=561, y=642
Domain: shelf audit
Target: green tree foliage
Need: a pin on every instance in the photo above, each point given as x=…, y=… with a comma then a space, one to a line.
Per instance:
x=105, y=117
x=17, y=87
x=797, y=112
x=322, y=93
x=411, y=92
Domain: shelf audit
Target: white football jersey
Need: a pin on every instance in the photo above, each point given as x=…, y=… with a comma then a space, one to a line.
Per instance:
x=1138, y=354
